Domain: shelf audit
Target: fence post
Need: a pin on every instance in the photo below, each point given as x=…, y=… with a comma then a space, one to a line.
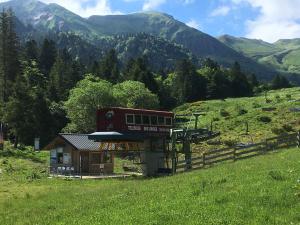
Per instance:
x=203, y=159
x=264, y=150
x=234, y=154
x=298, y=139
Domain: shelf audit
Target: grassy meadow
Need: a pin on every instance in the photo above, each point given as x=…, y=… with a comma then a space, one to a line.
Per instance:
x=265, y=118
x=261, y=190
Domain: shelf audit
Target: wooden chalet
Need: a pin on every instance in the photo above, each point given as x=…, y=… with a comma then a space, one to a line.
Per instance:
x=76, y=154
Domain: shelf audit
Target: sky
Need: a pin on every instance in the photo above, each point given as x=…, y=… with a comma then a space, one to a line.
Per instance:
x=268, y=20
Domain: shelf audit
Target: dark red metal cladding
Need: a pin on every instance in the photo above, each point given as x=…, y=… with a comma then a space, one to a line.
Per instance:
x=134, y=120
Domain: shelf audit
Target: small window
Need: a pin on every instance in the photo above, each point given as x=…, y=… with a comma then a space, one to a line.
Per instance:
x=130, y=119
x=168, y=121
x=153, y=120
x=107, y=157
x=60, y=158
x=96, y=158
x=138, y=119
x=161, y=120
x=146, y=120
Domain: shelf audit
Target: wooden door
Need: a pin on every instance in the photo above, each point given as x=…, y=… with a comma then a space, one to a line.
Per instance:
x=85, y=161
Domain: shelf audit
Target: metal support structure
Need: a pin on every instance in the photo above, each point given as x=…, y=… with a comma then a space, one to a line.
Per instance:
x=187, y=153
x=173, y=149
x=298, y=139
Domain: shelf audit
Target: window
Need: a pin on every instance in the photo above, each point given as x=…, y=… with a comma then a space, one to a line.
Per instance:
x=96, y=158
x=129, y=119
x=60, y=158
x=168, y=121
x=138, y=119
x=161, y=120
x=153, y=120
x=107, y=157
x=146, y=120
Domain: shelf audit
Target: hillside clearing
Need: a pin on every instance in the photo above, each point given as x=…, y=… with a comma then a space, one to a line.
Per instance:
x=265, y=119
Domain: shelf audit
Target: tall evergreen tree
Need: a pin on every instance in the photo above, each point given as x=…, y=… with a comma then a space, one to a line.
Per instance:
x=31, y=50
x=240, y=84
x=48, y=56
x=109, y=67
x=280, y=82
x=138, y=70
x=188, y=84
x=9, y=54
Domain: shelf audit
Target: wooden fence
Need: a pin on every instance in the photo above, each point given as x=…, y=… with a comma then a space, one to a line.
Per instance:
x=241, y=152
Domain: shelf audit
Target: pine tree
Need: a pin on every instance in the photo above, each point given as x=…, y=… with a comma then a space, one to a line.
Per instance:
x=109, y=67
x=279, y=82
x=240, y=84
x=47, y=56
x=9, y=54
x=31, y=51
x=137, y=70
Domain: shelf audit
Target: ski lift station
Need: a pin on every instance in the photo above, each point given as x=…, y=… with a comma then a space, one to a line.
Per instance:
x=148, y=133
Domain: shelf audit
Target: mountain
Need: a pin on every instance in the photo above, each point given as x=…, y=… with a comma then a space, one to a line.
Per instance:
x=165, y=26
x=282, y=55
x=45, y=18
x=249, y=47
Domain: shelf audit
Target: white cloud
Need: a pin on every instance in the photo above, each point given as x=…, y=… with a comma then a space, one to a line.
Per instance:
x=187, y=2
x=194, y=24
x=221, y=11
x=152, y=4
x=100, y=7
x=277, y=19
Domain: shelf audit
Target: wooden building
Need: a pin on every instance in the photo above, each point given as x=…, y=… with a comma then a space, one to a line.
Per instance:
x=75, y=153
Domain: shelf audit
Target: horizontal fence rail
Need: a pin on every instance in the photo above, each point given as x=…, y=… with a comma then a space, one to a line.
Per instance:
x=238, y=153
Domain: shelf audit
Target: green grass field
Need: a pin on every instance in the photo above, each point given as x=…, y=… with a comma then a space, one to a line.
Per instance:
x=229, y=116
x=261, y=190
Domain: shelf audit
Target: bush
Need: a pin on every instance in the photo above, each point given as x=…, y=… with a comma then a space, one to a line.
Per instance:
x=216, y=119
x=277, y=131
x=288, y=128
x=224, y=113
x=265, y=119
x=230, y=142
x=255, y=105
x=242, y=112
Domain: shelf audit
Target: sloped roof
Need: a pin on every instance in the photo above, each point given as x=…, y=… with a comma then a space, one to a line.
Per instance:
x=81, y=142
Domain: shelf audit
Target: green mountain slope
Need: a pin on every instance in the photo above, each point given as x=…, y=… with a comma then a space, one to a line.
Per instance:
x=250, y=47
x=54, y=18
x=283, y=55
x=165, y=26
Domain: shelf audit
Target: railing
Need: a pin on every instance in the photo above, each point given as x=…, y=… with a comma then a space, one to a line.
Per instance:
x=240, y=152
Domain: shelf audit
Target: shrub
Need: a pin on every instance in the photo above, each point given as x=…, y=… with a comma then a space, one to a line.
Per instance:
x=265, y=119
x=288, y=128
x=277, y=131
x=216, y=119
x=255, y=105
x=288, y=96
x=224, y=113
x=242, y=112
x=230, y=142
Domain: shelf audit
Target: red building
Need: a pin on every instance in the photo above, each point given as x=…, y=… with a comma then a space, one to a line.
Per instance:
x=135, y=121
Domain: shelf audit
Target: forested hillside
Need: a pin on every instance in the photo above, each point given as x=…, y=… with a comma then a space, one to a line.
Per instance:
x=41, y=20
x=46, y=88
